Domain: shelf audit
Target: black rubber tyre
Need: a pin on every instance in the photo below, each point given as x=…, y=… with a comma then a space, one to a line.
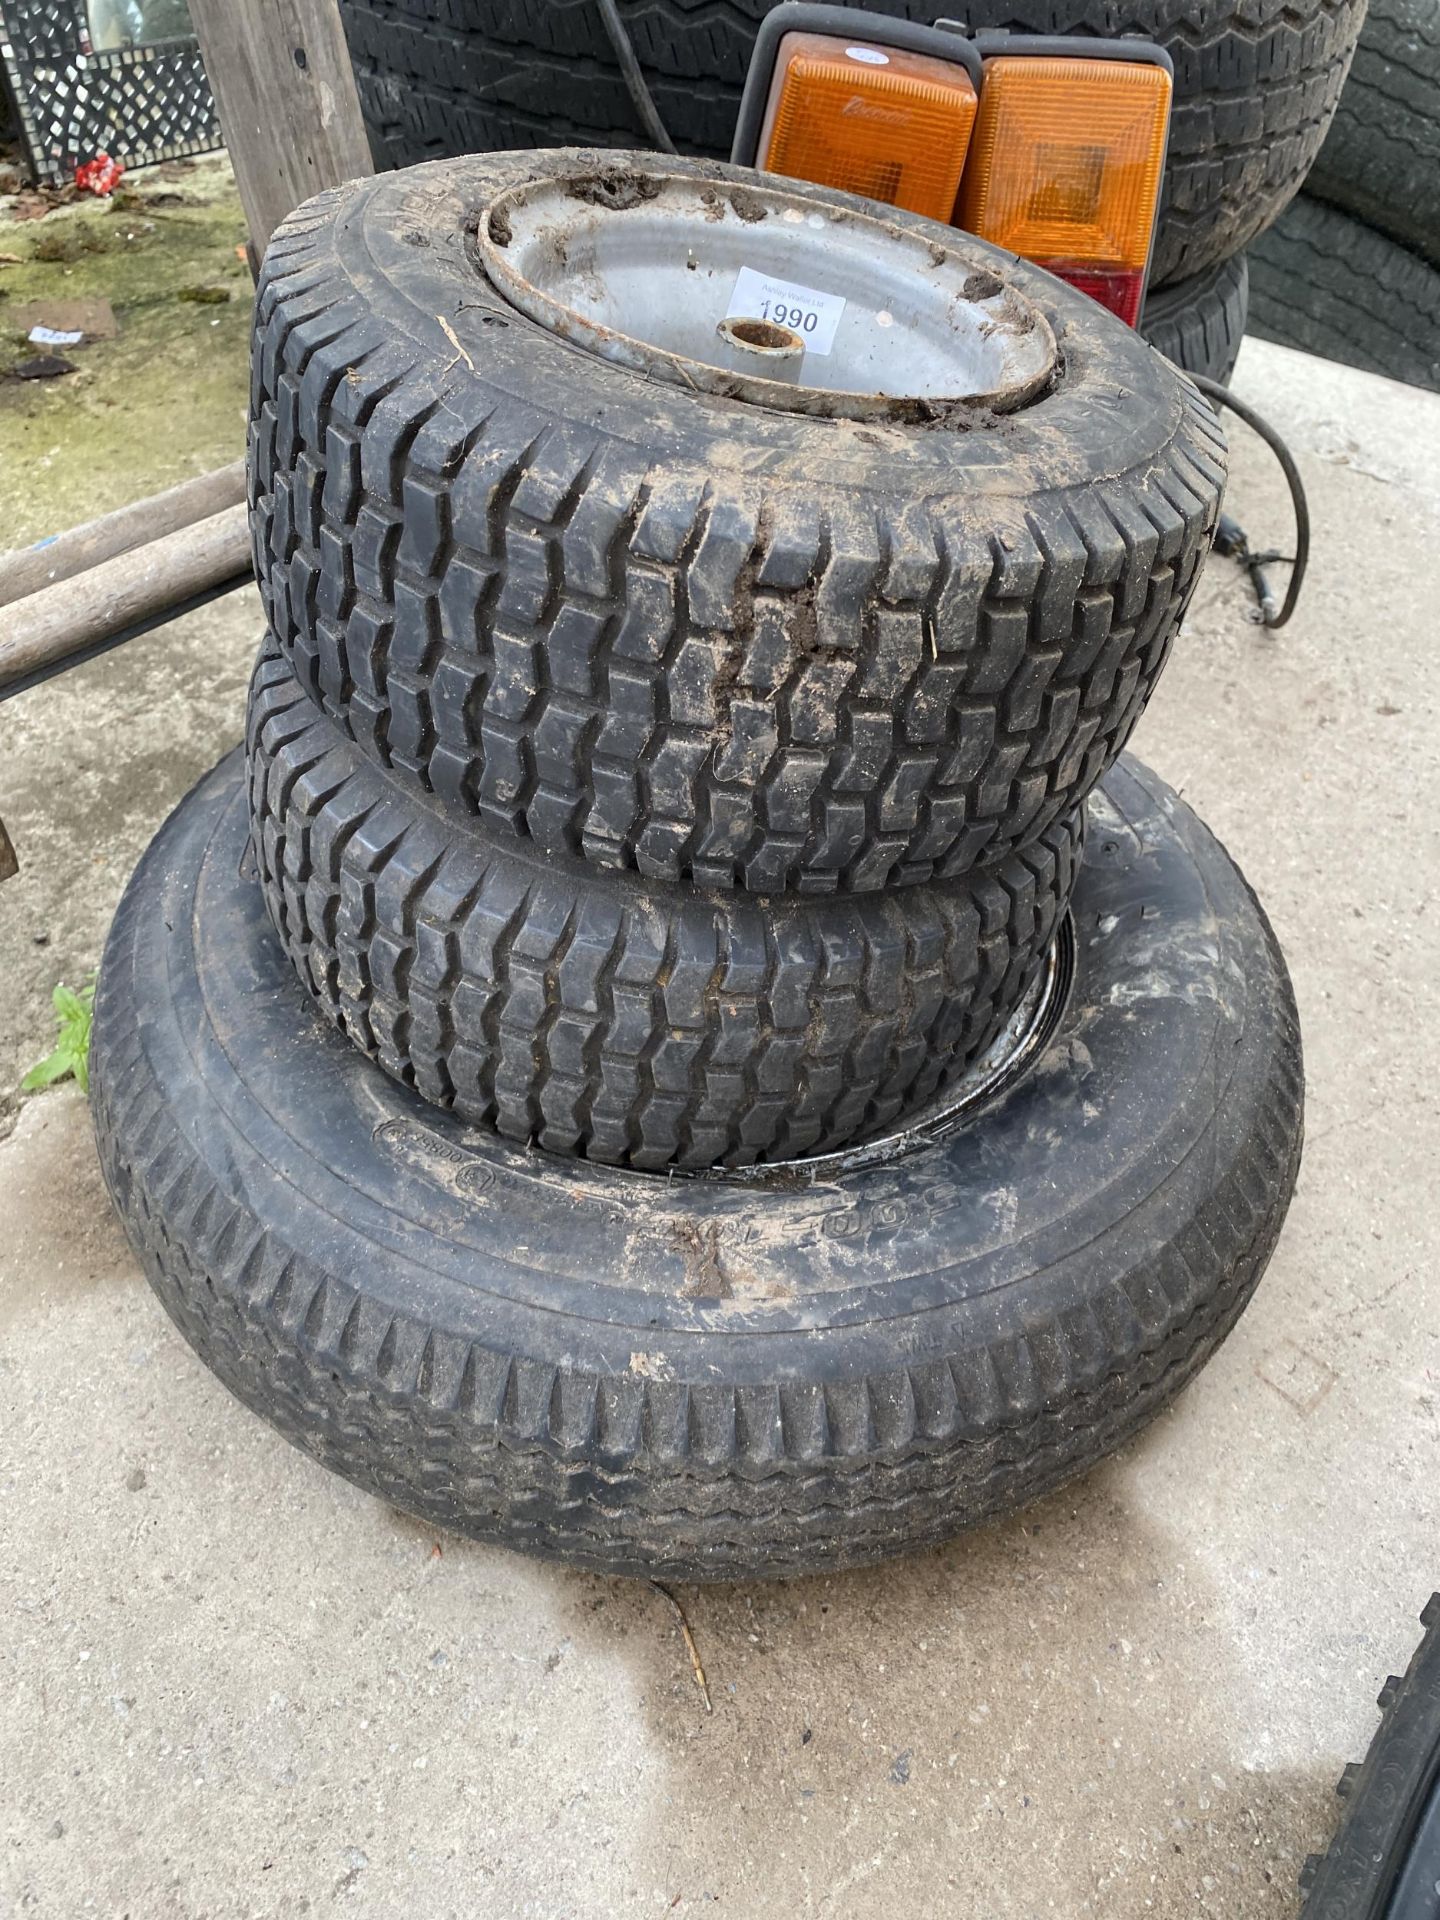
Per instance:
x=1254, y=89
x=1384, y=1863
x=1199, y=324
x=706, y=1377
x=1381, y=157
x=1322, y=281
x=625, y=1020
x=696, y=637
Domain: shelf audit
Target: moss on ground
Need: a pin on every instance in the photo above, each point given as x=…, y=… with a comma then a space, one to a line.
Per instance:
x=163, y=401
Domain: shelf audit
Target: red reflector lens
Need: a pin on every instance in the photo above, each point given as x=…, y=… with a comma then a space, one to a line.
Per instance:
x=1121, y=291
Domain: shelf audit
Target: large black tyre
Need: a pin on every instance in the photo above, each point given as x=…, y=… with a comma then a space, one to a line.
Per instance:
x=1255, y=86
x=1199, y=324
x=706, y=1377
x=1381, y=157
x=698, y=637
x=629, y=1021
x=1323, y=281
x=1384, y=1863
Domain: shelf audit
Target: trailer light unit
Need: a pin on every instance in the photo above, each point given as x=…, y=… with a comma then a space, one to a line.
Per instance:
x=880, y=109
x=874, y=120
x=1065, y=167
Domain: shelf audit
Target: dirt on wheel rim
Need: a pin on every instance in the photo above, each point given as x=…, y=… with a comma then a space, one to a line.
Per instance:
x=676, y=276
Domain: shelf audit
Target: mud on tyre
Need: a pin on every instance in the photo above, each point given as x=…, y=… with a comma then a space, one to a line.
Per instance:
x=593, y=1013
x=755, y=1373
x=699, y=637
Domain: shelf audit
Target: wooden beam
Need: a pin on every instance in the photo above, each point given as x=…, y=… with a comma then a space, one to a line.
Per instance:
x=78, y=615
x=285, y=92
x=29, y=569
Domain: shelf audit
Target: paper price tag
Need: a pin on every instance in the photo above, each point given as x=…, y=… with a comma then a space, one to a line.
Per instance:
x=811, y=314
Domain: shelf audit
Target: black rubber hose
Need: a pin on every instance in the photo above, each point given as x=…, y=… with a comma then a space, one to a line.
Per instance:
x=1225, y=398
x=640, y=95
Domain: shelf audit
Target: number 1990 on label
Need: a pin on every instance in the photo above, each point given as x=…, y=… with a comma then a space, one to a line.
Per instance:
x=804, y=310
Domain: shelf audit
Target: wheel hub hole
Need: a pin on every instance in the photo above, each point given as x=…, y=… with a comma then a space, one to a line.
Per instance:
x=763, y=334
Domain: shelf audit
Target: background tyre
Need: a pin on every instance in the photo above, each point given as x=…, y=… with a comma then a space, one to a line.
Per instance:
x=1253, y=91
x=1323, y=281
x=760, y=1373
x=601, y=1015
x=1199, y=324
x=739, y=645
x=1381, y=157
x=1384, y=1863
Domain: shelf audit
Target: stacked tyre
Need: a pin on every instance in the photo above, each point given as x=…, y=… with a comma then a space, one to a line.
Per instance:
x=1384, y=1861
x=1253, y=98
x=1351, y=270
x=644, y=1062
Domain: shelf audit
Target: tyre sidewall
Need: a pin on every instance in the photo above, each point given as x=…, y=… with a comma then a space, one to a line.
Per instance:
x=1075, y=1185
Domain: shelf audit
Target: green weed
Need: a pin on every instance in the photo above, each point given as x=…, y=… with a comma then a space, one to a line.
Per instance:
x=71, y=1058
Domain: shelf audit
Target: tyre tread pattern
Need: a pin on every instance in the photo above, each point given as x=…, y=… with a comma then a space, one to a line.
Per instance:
x=671, y=1478
x=1381, y=157
x=1199, y=324
x=1322, y=281
x=639, y=1026
x=1255, y=87
x=682, y=675
x=1355, y=1878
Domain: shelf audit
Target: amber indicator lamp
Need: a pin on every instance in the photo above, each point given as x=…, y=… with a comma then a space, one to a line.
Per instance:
x=889, y=118
x=879, y=121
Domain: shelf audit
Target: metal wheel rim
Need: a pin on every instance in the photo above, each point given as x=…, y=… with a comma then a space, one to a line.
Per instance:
x=643, y=268
x=1004, y=1063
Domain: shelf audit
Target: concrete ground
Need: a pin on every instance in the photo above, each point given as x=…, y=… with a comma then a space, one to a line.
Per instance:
x=232, y=1685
